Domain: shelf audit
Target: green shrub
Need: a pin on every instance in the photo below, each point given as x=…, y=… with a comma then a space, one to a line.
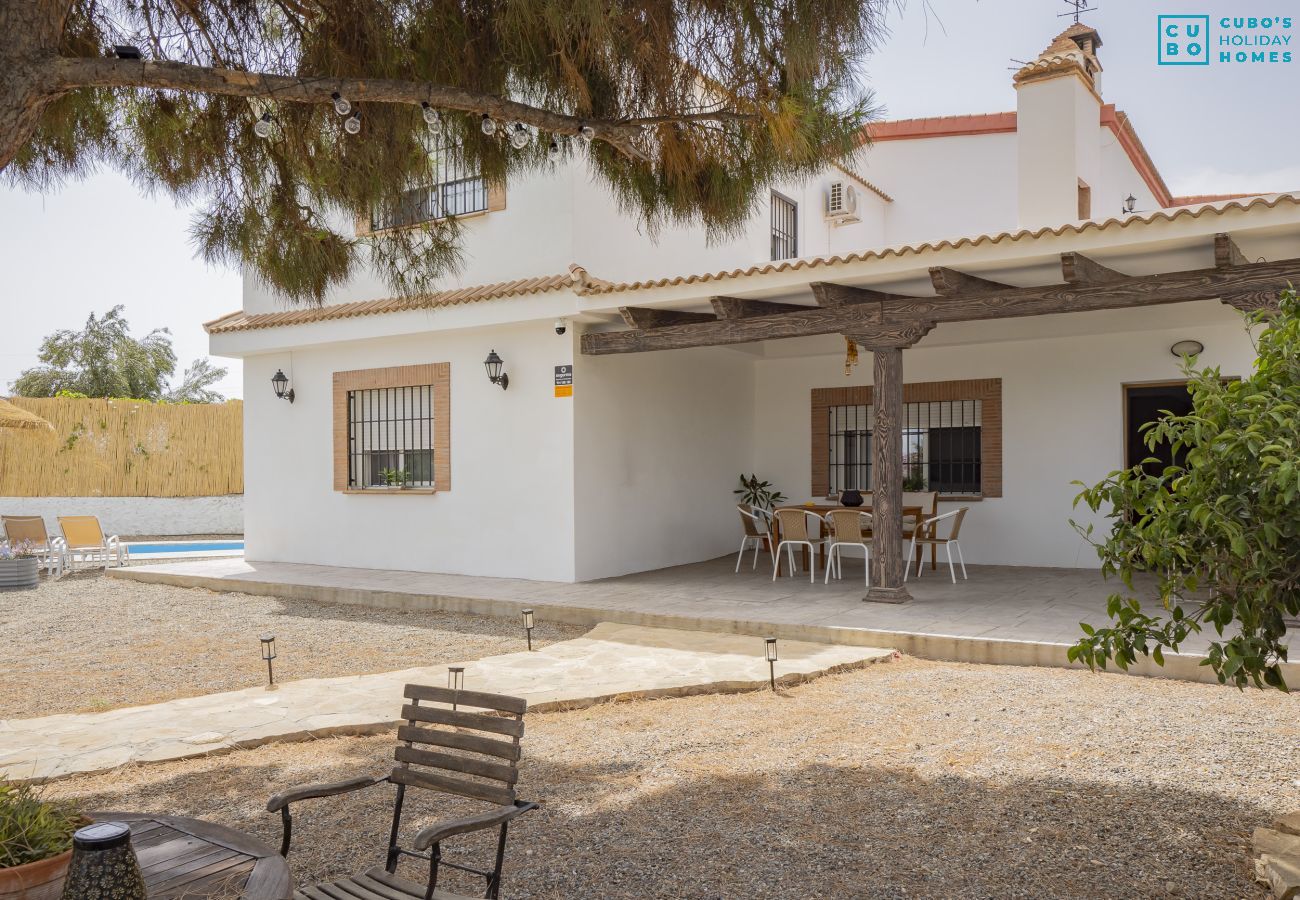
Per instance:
x=31, y=828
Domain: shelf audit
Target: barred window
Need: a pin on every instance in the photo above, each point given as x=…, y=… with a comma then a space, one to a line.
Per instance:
x=941, y=447
x=785, y=227
x=457, y=189
x=390, y=437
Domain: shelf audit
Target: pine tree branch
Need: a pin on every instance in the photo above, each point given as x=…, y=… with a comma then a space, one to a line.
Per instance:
x=72, y=73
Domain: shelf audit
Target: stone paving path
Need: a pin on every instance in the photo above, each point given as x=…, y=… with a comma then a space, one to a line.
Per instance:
x=611, y=661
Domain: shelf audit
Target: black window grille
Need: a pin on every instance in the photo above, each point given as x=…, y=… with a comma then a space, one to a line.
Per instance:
x=390, y=437
x=457, y=189
x=941, y=447
x=785, y=227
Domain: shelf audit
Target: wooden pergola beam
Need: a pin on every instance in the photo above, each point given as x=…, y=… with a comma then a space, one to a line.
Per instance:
x=951, y=283
x=1079, y=269
x=645, y=317
x=1255, y=285
x=833, y=296
x=1227, y=253
x=738, y=308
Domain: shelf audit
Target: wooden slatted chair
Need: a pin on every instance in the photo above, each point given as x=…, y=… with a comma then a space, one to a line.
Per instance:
x=445, y=749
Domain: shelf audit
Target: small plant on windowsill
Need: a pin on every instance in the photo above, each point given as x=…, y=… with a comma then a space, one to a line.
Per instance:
x=758, y=494
x=396, y=479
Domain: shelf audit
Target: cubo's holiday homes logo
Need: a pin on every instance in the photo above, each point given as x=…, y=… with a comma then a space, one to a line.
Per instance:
x=1230, y=40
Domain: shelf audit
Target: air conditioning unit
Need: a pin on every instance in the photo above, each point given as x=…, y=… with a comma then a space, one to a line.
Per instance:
x=841, y=203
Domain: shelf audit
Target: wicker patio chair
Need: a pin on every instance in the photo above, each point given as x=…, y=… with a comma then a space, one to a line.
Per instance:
x=83, y=537
x=758, y=533
x=447, y=750
x=929, y=503
x=849, y=528
x=928, y=533
x=792, y=525
x=49, y=550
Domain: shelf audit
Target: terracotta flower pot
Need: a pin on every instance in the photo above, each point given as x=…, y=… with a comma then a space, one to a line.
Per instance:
x=40, y=880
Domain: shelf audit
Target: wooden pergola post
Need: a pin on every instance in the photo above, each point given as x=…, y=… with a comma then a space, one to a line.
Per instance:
x=887, y=561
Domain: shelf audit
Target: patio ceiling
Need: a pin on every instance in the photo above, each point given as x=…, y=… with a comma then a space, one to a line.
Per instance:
x=1078, y=283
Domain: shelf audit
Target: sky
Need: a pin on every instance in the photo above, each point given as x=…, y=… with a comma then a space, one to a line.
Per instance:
x=1210, y=129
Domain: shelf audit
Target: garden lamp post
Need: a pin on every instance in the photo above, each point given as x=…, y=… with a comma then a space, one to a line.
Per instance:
x=769, y=651
x=268, y=654
x=455, y=681
x=528, y=627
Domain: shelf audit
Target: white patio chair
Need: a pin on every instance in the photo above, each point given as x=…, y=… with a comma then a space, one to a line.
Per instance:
x=51, y=551
x=758, y=533
x=928, y=533
x=793, y=527
x=849, y=528
x=83, y=537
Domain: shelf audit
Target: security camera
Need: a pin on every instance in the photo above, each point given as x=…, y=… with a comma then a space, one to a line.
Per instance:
x=561, y=326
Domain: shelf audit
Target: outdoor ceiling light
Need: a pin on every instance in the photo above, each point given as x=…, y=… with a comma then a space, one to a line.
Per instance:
x=493, y=365
x=1129, y=203
x=769, y=651
x=126, y=51
x=489, y=127
x=352, y=124
x=341, y=104
x=264, y=127
x=268, y=654
x=528, y=626
x=520, y=137
x=1187, y=348
x=279, y=381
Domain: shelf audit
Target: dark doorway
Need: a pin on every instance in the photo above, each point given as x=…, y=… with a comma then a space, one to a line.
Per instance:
x=1149, y=403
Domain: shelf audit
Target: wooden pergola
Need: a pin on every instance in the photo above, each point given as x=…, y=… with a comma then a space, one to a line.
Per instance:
x=888, y=323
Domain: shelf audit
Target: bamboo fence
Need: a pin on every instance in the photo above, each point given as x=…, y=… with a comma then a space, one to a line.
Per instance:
x=124, y=448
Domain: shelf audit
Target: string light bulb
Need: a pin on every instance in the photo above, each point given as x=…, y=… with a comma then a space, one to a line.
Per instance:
x=264, y=127
x=520, y=137
x=352, y=124
x=587, y=133
x=553, y=152
x=431, y=117
x=341, y=104
x=489, y=127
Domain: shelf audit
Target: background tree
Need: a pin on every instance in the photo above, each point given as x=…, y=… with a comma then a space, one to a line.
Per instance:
x=103, y=360
x=1219, y=535
x=691, y=108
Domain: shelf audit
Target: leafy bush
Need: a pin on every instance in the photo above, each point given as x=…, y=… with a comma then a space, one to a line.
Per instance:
x=33, y=829
x=1220, y=533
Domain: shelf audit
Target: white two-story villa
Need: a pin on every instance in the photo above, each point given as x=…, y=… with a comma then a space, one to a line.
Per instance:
x=1026, y=276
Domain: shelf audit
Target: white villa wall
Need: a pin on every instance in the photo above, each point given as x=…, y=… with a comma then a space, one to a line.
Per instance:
x=660, y=441
x=1062, y=404
x=1119, y=179
x=510, y=508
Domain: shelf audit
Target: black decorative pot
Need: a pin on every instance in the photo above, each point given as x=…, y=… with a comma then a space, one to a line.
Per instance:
x=851, y=498
x=104, y=866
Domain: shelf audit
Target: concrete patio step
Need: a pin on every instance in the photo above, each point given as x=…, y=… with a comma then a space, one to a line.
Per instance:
x=609, y=662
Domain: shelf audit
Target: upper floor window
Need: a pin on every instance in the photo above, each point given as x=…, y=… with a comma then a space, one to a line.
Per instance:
x=785, y=227
x=457, y=189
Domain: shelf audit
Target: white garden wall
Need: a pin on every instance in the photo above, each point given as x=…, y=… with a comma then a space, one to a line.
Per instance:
x=138, y=515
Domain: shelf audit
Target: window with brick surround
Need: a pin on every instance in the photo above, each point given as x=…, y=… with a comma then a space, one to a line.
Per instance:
x=392, y=427
x=785, y=227
x=952, y=438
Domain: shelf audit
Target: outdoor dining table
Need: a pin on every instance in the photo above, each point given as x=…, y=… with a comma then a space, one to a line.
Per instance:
x=182, y=857
x=916, y=513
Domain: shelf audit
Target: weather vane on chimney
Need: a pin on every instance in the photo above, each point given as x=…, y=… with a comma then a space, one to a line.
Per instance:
x=1079, y=8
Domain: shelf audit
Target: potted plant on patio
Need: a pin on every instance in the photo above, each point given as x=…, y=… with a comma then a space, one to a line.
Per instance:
x=758, y=494
x=19, y=565
x=35, y=843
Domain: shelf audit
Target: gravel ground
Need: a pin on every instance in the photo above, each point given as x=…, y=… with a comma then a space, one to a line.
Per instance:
x=87, y=642
x=907, y=779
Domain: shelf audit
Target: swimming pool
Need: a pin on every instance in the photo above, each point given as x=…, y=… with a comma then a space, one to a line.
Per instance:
x=161, y=549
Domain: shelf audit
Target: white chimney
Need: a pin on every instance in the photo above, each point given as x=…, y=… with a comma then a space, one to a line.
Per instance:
x=1058, y=128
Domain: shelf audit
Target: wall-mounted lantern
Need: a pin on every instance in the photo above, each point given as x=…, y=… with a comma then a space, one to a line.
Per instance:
x=1130, y=202
x=493, y=365
x=1187, y=348
x=280, y=382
